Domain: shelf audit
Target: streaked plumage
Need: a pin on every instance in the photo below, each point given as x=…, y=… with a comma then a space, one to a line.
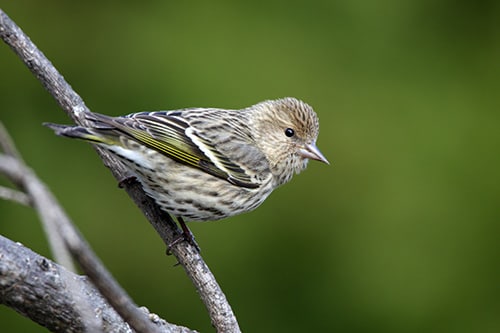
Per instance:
x=204, y=164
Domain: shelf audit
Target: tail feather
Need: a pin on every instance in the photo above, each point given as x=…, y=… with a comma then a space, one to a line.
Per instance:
x=78, y=132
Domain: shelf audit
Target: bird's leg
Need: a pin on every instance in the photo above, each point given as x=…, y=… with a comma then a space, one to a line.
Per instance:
x=186, y=235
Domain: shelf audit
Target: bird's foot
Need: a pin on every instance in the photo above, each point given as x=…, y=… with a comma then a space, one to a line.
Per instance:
x=186, y=235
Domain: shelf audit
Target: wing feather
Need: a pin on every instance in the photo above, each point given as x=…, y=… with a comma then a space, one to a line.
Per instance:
x=172, y=136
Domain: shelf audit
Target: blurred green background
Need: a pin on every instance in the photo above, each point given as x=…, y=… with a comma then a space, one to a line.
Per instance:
x=399, y=234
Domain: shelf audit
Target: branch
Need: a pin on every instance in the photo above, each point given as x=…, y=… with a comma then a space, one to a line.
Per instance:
x=38, y=288
x=220, y=311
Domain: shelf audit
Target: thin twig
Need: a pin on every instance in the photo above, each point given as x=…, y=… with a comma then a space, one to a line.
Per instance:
x=14, y=195
x=13, y=159
x=7, y=144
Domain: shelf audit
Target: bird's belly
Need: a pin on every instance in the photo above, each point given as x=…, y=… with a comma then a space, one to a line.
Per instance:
x=194, y=195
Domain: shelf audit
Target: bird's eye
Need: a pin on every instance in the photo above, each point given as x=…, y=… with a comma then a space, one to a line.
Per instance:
x=289, y=132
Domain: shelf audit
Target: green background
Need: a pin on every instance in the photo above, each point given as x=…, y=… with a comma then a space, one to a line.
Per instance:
x=399, y=234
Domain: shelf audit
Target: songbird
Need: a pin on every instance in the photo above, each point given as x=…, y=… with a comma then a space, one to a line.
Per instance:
x=205, y=164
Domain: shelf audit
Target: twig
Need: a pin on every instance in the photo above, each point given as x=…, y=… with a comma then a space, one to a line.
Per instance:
x=20, y=175
x=220, y=312
x=7, y=144
x=13, y=195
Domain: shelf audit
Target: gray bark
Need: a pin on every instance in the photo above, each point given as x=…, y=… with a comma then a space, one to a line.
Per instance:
x=51, y=296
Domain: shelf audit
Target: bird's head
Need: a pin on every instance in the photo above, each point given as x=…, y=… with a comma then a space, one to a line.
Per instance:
x=286, y=131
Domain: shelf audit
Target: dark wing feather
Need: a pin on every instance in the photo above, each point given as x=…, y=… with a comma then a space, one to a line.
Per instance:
x=169, y=134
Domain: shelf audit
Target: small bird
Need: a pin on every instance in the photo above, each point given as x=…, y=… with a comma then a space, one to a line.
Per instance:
x=205, y=164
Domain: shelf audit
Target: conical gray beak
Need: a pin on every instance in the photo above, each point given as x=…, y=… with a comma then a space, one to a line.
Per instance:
x=312, y=152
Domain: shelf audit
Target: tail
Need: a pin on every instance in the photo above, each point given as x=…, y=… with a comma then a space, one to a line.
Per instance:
x=78, y=132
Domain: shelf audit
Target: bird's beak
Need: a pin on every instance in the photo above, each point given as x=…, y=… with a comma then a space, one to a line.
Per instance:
x=312, y=152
